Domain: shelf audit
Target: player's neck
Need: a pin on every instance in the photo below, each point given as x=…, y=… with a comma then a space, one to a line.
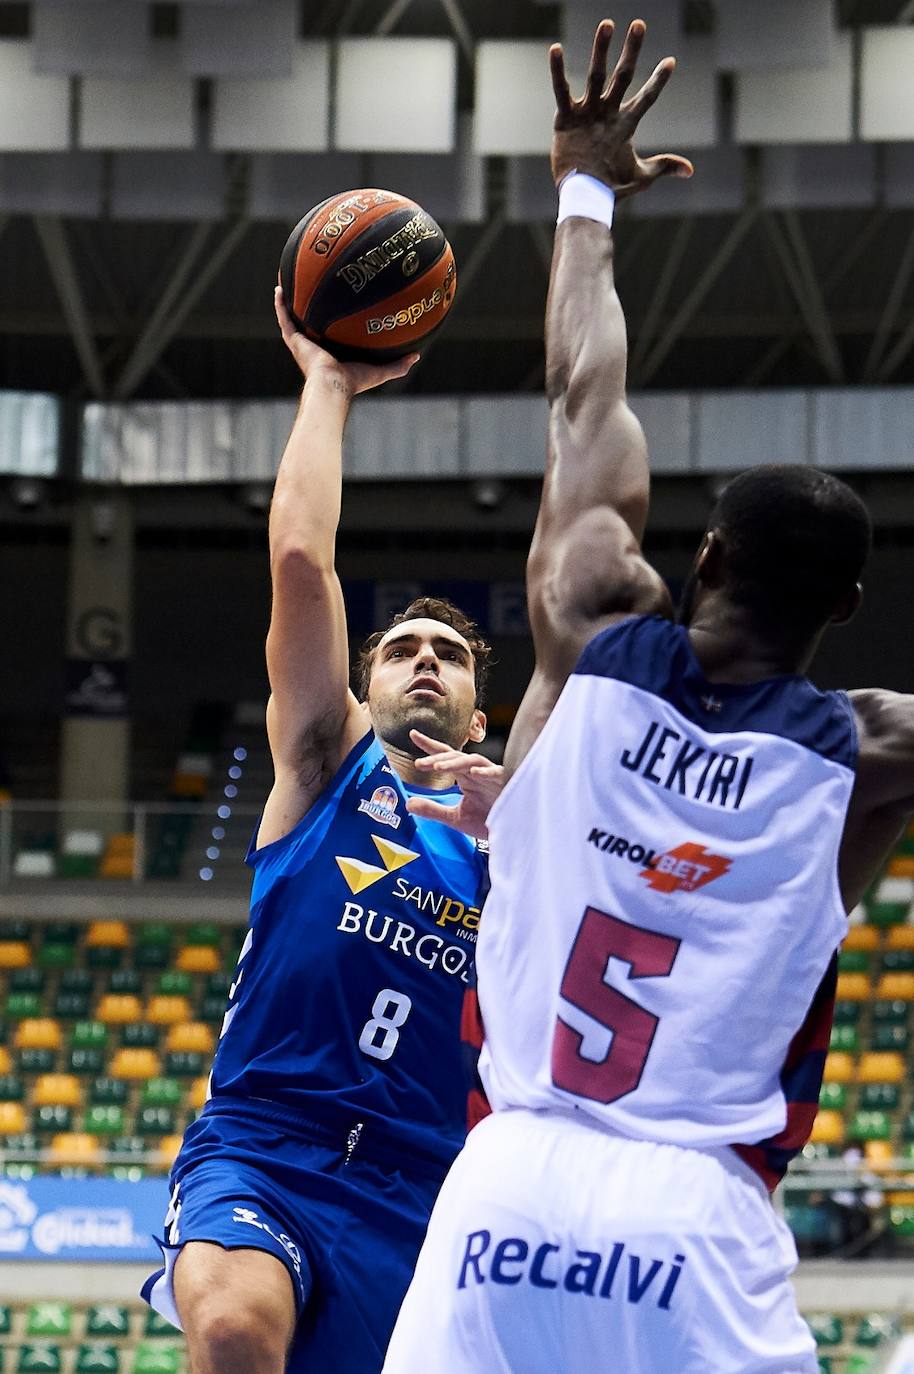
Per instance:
x=404, y=765
x=730, y=648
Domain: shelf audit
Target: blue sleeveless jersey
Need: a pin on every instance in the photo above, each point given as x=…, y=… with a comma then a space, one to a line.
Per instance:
x=347, y=997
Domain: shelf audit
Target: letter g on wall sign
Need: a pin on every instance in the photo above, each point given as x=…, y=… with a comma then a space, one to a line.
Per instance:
x=99, y=632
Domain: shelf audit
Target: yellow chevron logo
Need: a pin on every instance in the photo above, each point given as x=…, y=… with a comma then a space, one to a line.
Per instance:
x=360, y=875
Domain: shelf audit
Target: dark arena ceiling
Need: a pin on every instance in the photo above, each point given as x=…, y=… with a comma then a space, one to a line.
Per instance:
x=759, y=296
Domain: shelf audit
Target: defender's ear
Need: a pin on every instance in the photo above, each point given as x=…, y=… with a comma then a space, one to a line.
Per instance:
x=849, y=607
x=709, y=565
x=478, y=727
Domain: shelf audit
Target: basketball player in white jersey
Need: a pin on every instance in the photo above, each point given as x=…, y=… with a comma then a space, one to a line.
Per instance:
x=686, y=823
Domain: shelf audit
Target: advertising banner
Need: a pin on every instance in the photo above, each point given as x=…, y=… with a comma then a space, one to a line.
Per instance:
x=81, y=1219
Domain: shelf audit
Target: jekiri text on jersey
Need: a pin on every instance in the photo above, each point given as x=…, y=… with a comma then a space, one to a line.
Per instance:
x=689, y=769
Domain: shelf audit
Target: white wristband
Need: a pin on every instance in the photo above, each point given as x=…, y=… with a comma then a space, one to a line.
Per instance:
x=584, y=197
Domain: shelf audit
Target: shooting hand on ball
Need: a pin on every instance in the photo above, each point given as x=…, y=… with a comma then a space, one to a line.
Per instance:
x=594, y=135
x=312, y=359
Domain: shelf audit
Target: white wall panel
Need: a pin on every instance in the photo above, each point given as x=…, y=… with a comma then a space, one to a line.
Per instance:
x=515, y=106
x=819, y=176
x=450, y=188
x=801, y=105
x=887, y=84
x=29, y=434
x=778, y=33
x=735, y=430
x=166, y=185
x=34, y=109
x=867, y=427
x=396, y=95
x=506, y=436
x=387, y=440
x=256, y=38
x=153, y=112
x=51, y=184
x=276, y=114
x=95, y=37
x=284, y=186
x=668, y=422
x=717, y=188
x=686, y=115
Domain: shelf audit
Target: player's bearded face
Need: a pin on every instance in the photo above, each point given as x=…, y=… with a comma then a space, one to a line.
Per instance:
x=422, y=678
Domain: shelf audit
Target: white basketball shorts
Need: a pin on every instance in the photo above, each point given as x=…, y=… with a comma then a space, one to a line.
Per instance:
x=555, y=1248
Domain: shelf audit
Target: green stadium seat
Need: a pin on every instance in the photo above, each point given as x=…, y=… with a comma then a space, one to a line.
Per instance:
x=897, y=961
x=40, y=1357
x=161, y=1092
x=847, y=1013
x=859, y=1363
x=55, y=957
x=854, y=961
x=52, y=1119
x=203, y=933
x=86, y=1063
x=100, y=957
x=844, y=1038
x=76, y=980
x=870, y=1125
x=72, y=1006
x=108, y=1092
x=833, y=1096
x=61, y=932
x=50, y=1319
x=125, y=980
x=104, y=1120
x=6, y=1319
x=153, y=933
x=27, y=980
x=148, y=957
x=878, y=1097
x=89, y=1035
x=892, y=1012
x=97, y=1358
x=140, y=1035
x=901, y=1222
x=875, y=1328
x=156, y=1325
x=156, y=1121
x=827, y=1328
x=36, y=1061
x=211, y=1010
x=809, y=1223
x=885, y=1036
x=107, y=1319
x=156, y=1359
x=217, y=985
x=175, y=983
x=20, y=1005
x=16, y=928
x=11, y=1088
x=128, y=1145
x=887, y=913
x=4, y=1032
x=826, y=1365
x=185, y=1064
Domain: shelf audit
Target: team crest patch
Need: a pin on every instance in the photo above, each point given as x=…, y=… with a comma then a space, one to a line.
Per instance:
x=383, y=806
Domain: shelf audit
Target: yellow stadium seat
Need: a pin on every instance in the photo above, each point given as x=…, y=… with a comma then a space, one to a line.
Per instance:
x=902, y=866
x=134, y=1063
x=164, y=1010
x=197, y=1095
x=12, y=1118
x=899, y=937
x=117, y=866
x=828, y=1129
x=15, y=954
x=167, y=1150
x=880, y=1067
x=191, y=786
x=6, y=1062
x=38, y=1033
x=895, y=987
x=839, y=1068
x=119, y=1009
x=57, y=1090
x=899, y=1199
x=191, y=1035
x=73, y=1147
x=198, y=959
x=853, y=987
x=878, y=1153
x=108, y=935
x=862, y=937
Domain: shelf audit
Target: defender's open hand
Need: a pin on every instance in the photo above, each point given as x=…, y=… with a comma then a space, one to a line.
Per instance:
x=594, y=134
x=480, y=782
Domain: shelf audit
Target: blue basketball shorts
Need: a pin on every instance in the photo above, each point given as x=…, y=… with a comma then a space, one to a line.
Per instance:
x=346, y=1222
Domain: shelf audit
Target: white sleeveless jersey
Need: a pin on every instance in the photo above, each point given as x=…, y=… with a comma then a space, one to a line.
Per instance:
x=658, y=947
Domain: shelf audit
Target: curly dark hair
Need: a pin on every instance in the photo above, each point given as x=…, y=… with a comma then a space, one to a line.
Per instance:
x=429, y=608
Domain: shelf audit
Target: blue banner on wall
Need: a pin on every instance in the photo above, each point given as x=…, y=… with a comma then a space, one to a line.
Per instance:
x=78, y=1219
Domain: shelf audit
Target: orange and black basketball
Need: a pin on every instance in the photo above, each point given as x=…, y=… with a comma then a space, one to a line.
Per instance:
x=368, y=275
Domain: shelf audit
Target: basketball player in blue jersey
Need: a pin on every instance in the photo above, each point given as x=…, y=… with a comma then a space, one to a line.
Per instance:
x=685, y=825
x=337, y=1099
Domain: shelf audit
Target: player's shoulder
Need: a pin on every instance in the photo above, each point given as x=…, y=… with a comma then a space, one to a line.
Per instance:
x=885, y=719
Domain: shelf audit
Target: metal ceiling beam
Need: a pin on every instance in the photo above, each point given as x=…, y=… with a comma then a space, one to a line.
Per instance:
x=893, y=305
x=391, y=17
x=693, y=301
x=145, y=350
x=897, y=356
x=848, y=260
x=657, y=304
x=461, y=29
x=59, y=257
x=793, y=255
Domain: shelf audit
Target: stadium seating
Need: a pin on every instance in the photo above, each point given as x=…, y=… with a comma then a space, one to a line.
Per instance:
x=42, y=1337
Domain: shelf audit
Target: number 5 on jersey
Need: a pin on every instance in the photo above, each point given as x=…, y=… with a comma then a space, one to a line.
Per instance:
x=649, y=954
x=388, y=1016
